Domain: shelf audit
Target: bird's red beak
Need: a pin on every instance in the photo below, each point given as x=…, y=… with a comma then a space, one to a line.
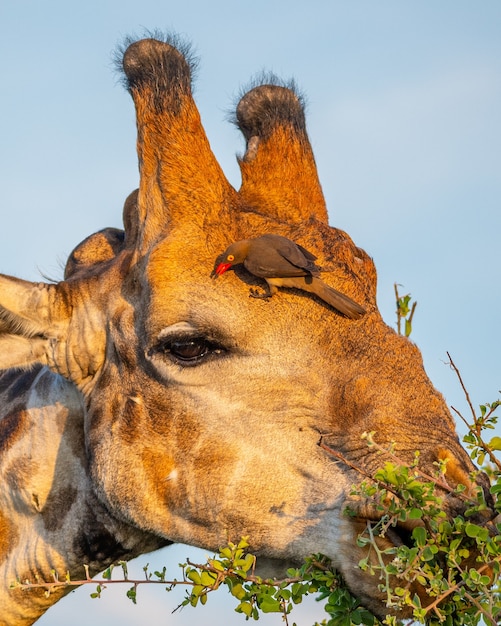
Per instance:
x=222, y=268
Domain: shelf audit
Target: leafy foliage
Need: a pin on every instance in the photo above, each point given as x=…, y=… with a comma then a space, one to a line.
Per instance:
x=455, y=563
x=405, y=312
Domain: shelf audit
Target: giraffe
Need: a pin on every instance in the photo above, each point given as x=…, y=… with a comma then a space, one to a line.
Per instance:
x=144, y=403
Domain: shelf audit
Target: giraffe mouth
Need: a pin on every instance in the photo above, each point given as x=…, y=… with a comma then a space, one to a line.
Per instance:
x=400, y=535
x=383, y=530
x=380, y=527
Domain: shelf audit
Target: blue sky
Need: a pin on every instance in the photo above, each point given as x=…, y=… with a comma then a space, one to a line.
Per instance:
x=403, y=114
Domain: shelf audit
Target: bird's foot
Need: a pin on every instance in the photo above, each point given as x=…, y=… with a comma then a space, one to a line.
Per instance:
x=261, y=295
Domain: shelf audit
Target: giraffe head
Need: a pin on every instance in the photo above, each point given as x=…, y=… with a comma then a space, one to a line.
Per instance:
x=204, y=408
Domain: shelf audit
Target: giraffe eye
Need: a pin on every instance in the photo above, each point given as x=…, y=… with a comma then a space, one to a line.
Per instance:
x=184, y=345
x=189, y=351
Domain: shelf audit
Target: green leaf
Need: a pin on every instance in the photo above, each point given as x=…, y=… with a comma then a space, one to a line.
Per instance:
x=248, y=562
x=429, y=553
x=107, y=573
x=123, y=565
x=472, y=530
x=245, y=608
x=495, y=443
x=197, y=590
x=216, y=565
x=131, y=594
x=194, y=576
x=207, y=579
x=238, y=591
x=415, y=514
x=161, y=575
x=419, y=536
x=270, y=605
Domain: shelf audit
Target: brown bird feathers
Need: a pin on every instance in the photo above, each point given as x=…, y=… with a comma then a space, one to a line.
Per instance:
x=283, y=263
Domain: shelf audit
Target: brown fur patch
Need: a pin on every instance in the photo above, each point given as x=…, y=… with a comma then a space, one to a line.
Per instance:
x=12, y=427
x=14, y=382
x=19, y=473
x=57, y=507
x=8, y=537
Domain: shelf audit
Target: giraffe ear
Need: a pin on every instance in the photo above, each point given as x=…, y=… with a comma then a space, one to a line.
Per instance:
x=58, y=325
x=27, y=315
x=21, y=352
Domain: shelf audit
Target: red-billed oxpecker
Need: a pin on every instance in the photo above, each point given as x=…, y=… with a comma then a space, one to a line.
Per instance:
x=283, y=263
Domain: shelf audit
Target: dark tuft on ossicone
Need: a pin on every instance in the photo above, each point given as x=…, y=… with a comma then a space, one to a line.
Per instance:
x=159, y=65
x=270, y=103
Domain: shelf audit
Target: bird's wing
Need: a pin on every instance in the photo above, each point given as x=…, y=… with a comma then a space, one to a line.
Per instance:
x=272, y=264
x=273, y=255
x=307, y=253
x=298, y=256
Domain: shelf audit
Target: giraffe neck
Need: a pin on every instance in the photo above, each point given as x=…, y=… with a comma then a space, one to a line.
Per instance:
x=50, y=517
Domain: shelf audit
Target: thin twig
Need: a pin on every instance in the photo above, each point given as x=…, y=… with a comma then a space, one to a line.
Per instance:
x=462, y=417
x=434, y=605
x=413, y=308
x=399, y=316
x=463, y=386
x=487, y=616
x=476, y=428
x=102, y=582
x=169, y=583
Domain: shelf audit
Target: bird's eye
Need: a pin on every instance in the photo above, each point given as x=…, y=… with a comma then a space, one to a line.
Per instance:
x=230, y=257
x=190, y=351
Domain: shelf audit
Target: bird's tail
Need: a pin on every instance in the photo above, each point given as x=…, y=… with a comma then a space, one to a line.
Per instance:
x=331, y=296
x=336, y=299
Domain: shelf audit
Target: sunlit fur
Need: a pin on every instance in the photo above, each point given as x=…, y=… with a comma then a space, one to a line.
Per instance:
x=113, y=440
